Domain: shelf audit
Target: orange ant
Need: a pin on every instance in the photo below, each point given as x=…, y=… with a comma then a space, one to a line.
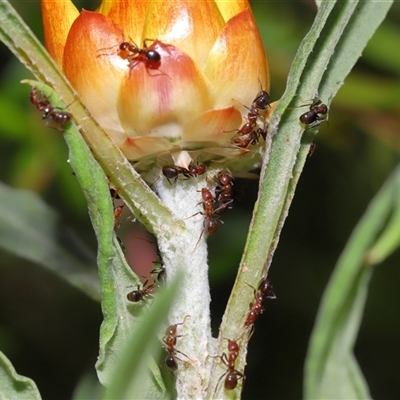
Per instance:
x=59, y=118
x=139, y=294
x=232, y=375
x=117, y=209
x=312, y=118
x=169, y=345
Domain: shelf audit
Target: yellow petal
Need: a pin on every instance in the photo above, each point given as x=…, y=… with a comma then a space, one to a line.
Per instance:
x=58, y=16
x=229, y=9
x=237, y=65
x=159, y=101
x=192, y=26
x=92, y=65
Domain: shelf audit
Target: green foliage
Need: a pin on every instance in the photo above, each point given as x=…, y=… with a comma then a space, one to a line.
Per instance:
x=14, y=386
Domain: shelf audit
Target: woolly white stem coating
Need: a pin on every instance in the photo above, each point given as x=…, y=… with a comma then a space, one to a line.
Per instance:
x=186, y=254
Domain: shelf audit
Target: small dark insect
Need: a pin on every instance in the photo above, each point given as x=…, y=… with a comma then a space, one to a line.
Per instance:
x=248, y=135
x=262, y=100
x=140, y=294
x=172, y=172
x=313, y=117
x=169, y=340
x=151, y=58
x=42, y=103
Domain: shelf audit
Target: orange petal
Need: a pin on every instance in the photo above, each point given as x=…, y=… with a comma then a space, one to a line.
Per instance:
x=158, y=102
x=93, y=66
x=130, y=16
x=237, y=65
x=135, y=148
x=214, y=125
x=58, y=17
x=192, y=26
x=229, y=9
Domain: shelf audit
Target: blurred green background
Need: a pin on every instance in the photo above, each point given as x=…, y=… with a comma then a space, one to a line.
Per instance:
x=50, y=330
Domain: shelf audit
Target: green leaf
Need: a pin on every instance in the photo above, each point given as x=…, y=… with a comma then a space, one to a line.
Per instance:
x=389, y=240
x=130, y=379
x=14, y=386
x=331, y=370
x=115, y=274
x=31, y=229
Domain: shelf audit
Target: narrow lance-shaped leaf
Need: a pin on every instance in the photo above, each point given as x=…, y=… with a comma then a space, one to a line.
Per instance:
x=331, y=370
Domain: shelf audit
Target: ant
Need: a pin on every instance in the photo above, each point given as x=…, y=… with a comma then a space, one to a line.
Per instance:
x=232, y=375
x=117, y=209
x=151, y=58
x=169, y=345
x=224, y=192
x=312, y=118
x=264, y=291
x=59, y=118
x=247, y=135
x=262, y=100
x=172, y=171
x=210, y=224
x=139, y=294
x=197, y=169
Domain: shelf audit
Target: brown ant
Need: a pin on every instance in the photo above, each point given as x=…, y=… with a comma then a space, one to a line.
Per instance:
x=59, y=118
x=210, y=224
x=169, y=345
x=151, y=58
x=312, y=118
x=232, y=375
x=197, y=169
x=224, y=192
x=172, y=171
x=264, y=291
x=262, y=100
x=139, y=294
x=247, y=135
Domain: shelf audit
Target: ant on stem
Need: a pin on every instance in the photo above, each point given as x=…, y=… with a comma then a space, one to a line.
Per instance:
x=312, y=117
x=232, y=375
x=59, y=118
x=169, y=340
x=264, y=291
x=140, y=294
